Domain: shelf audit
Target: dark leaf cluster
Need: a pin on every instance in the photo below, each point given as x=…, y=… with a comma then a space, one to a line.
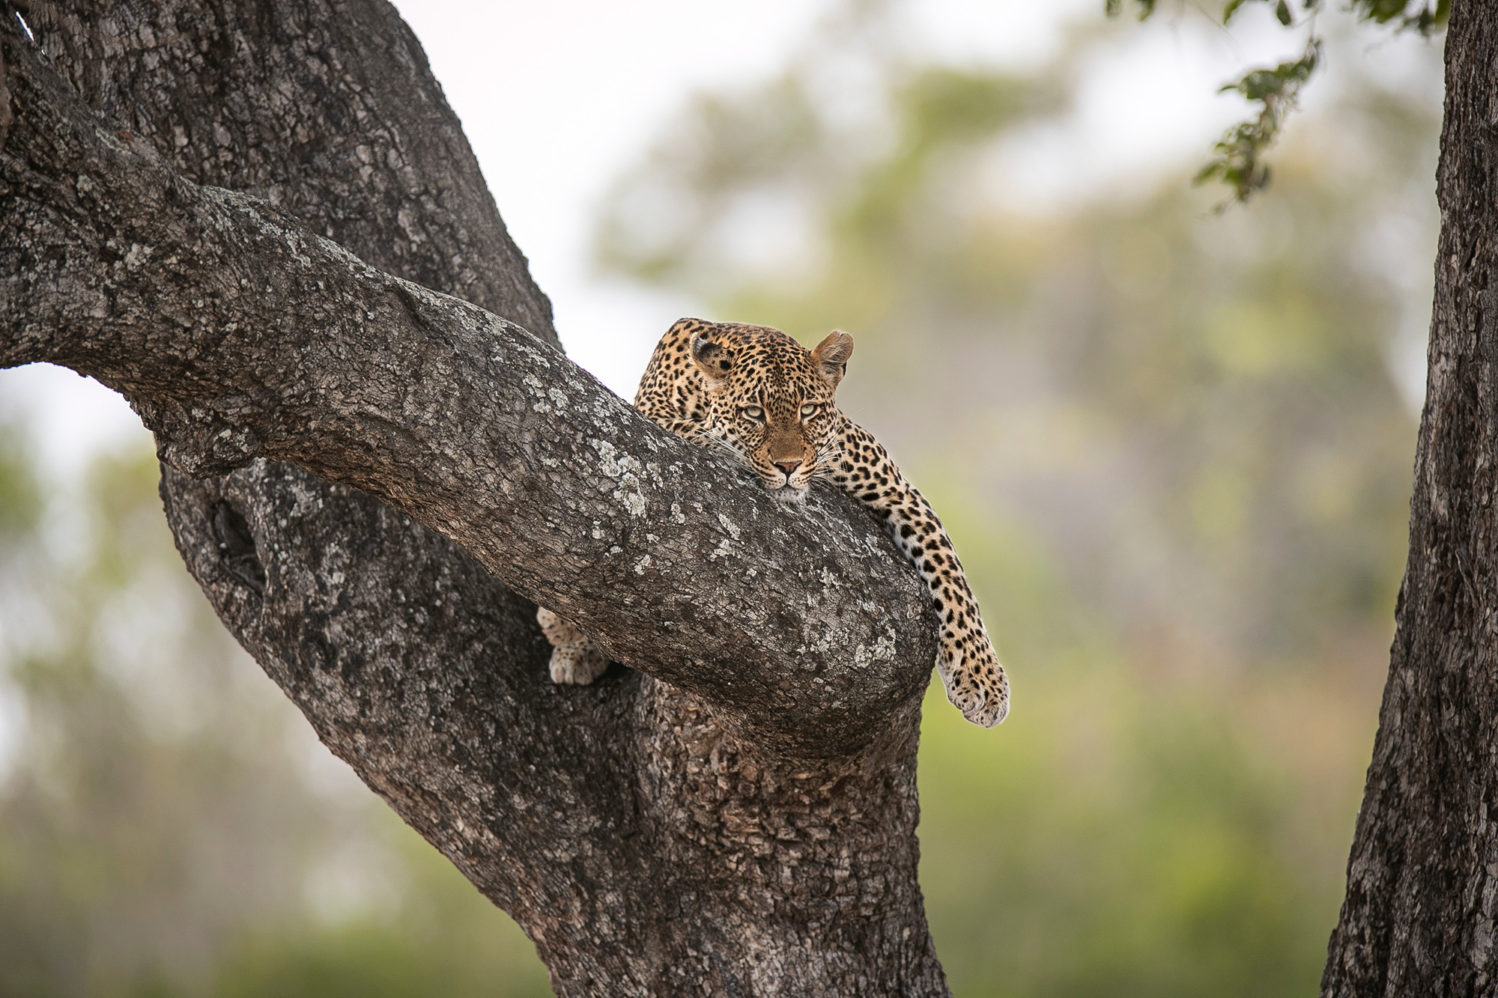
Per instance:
x=1237, y=158
x=1282, y=11
x=1115, y=7
x=1420, y=15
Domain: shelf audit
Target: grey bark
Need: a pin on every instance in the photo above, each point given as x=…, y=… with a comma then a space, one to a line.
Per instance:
x=219, y=210
x=1422, y=878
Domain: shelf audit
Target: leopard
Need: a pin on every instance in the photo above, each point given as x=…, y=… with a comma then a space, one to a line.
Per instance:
x=757, y=393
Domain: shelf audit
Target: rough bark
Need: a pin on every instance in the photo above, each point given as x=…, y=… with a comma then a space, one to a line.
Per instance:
x=216, y=209
x=1422, y=879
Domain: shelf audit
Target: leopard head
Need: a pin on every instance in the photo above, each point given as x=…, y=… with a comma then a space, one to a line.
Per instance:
x=770, y=400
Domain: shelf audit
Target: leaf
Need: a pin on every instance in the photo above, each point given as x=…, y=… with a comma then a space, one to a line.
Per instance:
x=1421, y=16
x=1237, y=156
x=1231, y=9
x=1112, y=8
x=1282, y=11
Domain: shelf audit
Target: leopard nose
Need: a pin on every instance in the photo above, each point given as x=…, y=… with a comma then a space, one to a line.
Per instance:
x=789, y=467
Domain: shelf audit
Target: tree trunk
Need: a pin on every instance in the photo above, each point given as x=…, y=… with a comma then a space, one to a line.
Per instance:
x=216, y=209
x=1422, y=880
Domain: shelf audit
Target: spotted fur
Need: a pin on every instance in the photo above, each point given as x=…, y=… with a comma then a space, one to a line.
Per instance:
x=758, y=393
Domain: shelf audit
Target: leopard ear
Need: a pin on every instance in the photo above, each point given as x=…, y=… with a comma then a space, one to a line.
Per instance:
x=831, y=356
x=714, y=361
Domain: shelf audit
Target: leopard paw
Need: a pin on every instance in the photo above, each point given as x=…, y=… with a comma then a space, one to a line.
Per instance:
x=976, y=686
x=577, y=664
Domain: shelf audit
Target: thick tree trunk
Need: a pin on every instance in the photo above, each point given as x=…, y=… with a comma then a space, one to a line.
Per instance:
x=737, y=816
x=1422, y=880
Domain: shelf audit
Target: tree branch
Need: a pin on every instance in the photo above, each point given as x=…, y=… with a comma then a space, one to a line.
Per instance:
x=645, y=849
x=237, y=335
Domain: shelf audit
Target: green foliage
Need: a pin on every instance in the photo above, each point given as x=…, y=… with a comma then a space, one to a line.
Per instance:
x=1130, y=843
x=20, y=499
x=1146, y=7
x=1423, y=16
x=1238, y=156
x=378, y=960
x=1282, y=11
x=1406, y=15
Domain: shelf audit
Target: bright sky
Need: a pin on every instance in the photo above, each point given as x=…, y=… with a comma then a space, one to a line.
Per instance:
x=598, y=81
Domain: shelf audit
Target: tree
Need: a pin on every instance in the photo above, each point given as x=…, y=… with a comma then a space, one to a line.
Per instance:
x=205, y=208
x=1419, y=916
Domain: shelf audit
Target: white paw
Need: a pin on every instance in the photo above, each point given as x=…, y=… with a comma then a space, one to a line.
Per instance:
x=991, y=710
x=577, y=665
x=980, y=691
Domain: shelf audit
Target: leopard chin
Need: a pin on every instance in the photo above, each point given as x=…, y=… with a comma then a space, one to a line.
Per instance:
x=787, y=492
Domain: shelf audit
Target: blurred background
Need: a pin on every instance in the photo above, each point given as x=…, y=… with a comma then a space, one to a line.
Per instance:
x=1172, y=443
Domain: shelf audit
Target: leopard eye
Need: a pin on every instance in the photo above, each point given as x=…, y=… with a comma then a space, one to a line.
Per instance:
x=809, y=410
x=754, y=412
